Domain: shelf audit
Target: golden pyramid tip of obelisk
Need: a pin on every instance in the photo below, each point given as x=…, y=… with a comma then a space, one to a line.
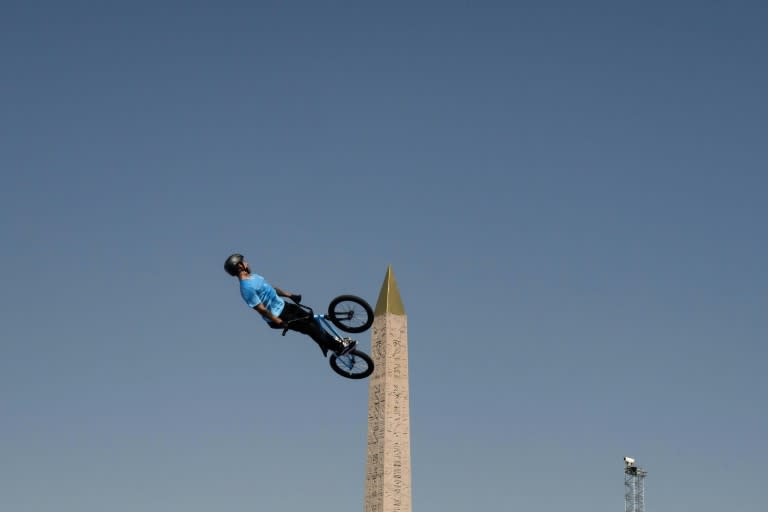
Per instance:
x=389, y=296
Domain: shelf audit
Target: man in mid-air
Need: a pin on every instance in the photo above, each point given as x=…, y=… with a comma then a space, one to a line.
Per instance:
x=267, y=301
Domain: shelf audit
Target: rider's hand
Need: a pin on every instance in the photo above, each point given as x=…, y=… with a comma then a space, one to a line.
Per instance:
x=296, y=297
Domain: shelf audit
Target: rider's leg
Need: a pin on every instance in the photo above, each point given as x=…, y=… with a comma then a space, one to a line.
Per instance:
x=305, y=324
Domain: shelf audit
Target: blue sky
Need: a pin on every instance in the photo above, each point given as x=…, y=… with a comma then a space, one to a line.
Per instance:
x=573, y=200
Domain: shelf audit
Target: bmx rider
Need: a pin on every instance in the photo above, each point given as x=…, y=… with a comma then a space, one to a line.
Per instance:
x=279, y=314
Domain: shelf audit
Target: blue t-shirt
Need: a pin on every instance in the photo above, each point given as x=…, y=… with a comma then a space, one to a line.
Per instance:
x=256, y=290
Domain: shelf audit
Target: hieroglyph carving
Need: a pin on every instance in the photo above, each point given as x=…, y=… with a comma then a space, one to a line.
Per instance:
x=388, y=468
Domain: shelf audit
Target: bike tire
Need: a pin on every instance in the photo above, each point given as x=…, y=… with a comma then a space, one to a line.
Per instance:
x=340, y=309
x=354, y=365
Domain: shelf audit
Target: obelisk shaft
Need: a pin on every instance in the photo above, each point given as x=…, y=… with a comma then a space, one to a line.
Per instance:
x=388, y=468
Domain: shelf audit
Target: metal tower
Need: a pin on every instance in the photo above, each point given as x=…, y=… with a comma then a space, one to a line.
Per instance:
x=634, y=486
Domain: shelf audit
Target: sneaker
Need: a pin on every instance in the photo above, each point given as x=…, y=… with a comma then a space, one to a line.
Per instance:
x=347, y=345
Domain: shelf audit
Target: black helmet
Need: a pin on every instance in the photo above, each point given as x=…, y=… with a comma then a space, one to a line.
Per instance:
x=232, y=264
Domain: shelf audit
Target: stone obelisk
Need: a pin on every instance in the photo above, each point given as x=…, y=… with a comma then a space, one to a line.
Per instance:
x=388, y=468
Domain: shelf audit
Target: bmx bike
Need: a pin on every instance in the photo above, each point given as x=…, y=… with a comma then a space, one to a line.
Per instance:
x=351, y=314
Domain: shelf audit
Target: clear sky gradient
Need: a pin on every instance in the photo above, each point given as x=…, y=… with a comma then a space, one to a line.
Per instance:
x=572, y=196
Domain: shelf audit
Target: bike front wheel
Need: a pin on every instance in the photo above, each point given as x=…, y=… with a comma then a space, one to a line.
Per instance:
x=350, y=313
x=354, y=365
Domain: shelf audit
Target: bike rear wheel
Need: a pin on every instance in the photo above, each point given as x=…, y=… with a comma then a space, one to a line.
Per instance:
x=350, y=313
x=354, y=365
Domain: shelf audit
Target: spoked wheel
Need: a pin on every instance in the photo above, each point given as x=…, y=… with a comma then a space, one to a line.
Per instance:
x=354, y=365
x=350, y=313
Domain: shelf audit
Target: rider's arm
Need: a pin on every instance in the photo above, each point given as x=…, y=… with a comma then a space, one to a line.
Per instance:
x=263, y=311
x=282, y=293
x=295, y=297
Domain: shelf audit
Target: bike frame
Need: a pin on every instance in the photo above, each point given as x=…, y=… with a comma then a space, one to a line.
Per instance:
x=354, y=364
x=325, y=324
